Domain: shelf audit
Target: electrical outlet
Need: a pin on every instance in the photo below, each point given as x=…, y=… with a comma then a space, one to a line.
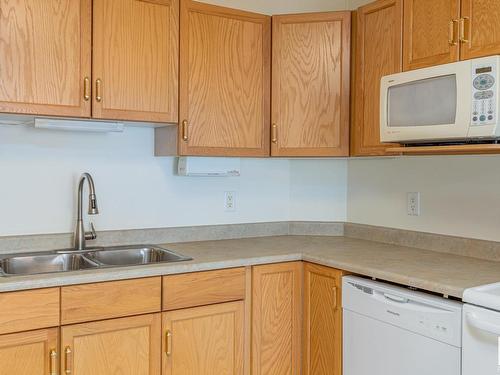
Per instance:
x=413, y=204
x=229, y=201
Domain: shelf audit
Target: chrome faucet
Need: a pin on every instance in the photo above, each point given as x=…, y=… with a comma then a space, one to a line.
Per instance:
x=80, y=235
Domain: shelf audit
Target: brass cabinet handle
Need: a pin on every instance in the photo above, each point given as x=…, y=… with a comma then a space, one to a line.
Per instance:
x=452, y=39
x=274, y=133
x=86, y=89
x=464, y=30
x=185, y=137
x=98, y=96
x=53, y=362
x=168, y=343
x=334, y=291
x=67, y=360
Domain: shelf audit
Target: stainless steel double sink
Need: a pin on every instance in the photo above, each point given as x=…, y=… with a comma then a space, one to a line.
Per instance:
x=72, y=260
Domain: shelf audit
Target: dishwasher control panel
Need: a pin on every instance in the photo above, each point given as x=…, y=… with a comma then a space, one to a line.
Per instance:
x=425, y=314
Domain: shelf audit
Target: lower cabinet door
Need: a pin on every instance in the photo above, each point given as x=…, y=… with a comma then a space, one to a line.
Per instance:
x=126, y=346
x=322, y=340
x=30, y=353
x=276, y=319
x=204, y=340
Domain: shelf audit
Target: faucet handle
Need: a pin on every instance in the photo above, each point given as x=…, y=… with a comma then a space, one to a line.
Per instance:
x=92, y=235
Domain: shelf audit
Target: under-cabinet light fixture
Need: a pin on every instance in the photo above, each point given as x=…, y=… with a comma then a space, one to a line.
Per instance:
x=79, y=125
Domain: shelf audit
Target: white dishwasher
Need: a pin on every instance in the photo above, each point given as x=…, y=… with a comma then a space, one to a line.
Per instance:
x=390, y=330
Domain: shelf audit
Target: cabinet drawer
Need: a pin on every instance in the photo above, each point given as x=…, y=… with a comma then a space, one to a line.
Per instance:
x=83, y=303
x=28, y=310
x=203, y=288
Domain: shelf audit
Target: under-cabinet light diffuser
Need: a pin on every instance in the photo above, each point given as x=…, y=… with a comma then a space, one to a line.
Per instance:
x=79, y=125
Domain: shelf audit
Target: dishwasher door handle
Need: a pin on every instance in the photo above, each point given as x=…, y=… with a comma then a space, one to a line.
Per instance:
x=482, y=324
x=395, y=298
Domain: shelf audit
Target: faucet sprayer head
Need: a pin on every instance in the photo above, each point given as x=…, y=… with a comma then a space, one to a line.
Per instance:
x=93, y=209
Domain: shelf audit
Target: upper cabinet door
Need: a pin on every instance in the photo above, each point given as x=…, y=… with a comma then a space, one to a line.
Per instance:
x=45, y=51
x=135, y=60
x=378, y=53
x=310, y=84
x=430, y=32
x=225, y=81
x=480, y=28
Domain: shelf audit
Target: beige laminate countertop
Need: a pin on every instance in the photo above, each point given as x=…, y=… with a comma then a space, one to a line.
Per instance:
x=433, y=271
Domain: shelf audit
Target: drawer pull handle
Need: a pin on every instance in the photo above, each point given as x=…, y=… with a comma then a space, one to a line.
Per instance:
x=86, y=89
x=168, y=343
x=274, y=133
x=53, y=362
x=67, y=360
x=334, y=291
x=452, y=40
x=464, y=30
x=185, y=136
x=98, y=95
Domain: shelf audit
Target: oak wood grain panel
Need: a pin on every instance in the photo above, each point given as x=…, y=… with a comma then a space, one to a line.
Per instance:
x=277, y=317
x=322, y=338
x=224, y=81
x=247, y=356
x=45, y=49
x=205, y=340
x=482, y=28
x=135, y=55
x=27, y=310
x=378, y=53
x=203, y=288
x=310, y=84
x=126, y=346
x=427, y=33
x=86, y=302
x=28, y=353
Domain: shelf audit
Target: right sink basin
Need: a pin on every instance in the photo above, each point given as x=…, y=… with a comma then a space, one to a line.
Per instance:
x=134, y=255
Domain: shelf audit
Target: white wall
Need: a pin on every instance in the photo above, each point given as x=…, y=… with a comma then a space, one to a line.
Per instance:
x=318, y=189
x=39, y=170
x=354, y=4
x=460, y=195
x=283, y=6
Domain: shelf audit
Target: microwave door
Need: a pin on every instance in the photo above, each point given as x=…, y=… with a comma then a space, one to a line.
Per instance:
x=428, y=106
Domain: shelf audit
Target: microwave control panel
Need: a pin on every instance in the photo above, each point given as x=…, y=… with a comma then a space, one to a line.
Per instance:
x=484, y=94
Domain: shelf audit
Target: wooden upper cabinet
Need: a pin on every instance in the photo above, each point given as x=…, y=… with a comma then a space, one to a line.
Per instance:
x=204, y=340
x=224, y=81
x=310, y=84
x=378, y=53
x=126, y=346
x=30, y=353
x=135, y=60
x=276, y=319
x=322, y=339
x=481, y=28
x=430, y=32
x=45, y=49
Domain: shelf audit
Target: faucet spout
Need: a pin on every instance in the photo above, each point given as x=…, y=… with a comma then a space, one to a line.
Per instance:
x=81, y=235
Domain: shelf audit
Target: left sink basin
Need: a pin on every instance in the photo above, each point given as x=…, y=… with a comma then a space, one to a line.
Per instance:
x=44, y=263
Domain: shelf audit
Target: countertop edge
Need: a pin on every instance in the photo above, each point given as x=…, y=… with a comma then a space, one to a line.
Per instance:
x=114, y=274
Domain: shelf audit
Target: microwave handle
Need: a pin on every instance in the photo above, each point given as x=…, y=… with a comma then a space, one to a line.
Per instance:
x=482, y=324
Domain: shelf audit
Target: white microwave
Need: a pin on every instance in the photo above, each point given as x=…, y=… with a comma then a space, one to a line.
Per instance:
x=455, y=102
